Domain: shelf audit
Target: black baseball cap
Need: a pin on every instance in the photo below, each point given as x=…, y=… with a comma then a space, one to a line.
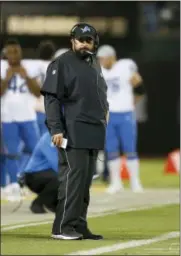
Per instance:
x=84, y=31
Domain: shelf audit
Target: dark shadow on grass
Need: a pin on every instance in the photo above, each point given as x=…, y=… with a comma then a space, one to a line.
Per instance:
x=25, y=236
x=107, y=237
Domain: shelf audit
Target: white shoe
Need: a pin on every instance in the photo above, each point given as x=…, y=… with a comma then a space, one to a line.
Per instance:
x=96, y=176
x=3, y=193
x=8, y=189
x=137, y=188
x=113, y=189
x=13, y=193
x=26, y=191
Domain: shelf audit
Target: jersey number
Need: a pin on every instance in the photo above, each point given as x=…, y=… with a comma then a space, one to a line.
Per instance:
x=113, y=86
x=13, y=86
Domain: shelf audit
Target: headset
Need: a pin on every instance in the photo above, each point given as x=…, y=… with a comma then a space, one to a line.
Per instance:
x=72, y=33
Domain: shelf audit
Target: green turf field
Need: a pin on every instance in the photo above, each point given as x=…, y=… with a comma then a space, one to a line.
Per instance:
x=152, y=175
x=116, y=228
x=168, y=247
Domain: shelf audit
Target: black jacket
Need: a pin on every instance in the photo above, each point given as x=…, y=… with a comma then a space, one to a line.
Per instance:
x=76, y=101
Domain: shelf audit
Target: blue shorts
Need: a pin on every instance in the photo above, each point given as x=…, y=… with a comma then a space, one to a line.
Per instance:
x=121, y=133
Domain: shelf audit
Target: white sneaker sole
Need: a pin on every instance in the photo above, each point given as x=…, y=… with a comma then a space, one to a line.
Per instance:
x=61, y=237
x=138, y=190
x=114, y=191
x=96, y=176
x=13, y=198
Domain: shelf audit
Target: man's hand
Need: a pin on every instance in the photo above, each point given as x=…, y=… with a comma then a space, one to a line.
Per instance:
x=57, y=139
x=136, y=79
x=9, y=74
x=137, y=98
x=22, y=72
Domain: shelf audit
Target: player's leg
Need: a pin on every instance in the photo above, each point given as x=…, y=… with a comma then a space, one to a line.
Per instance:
x=105, y=175
x=49, y=195
x=129, y=144
x=3, y=175
x=2, y=163
x=41, y=123
x=11, y=140
x=23, y=157
x=30, y=135
x=36, y=184
x=113, y=154
x=45, y=184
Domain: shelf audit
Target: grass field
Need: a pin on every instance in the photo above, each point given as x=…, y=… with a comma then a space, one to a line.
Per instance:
x=138, y=232
x=152, y=175
x=116, y=228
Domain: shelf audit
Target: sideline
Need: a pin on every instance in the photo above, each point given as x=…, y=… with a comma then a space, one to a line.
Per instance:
x=116, y=211
x=127, y=245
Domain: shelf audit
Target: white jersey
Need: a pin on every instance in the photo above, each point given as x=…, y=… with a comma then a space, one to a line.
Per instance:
x=120, y=92
x=39, y=104
x=17, y=103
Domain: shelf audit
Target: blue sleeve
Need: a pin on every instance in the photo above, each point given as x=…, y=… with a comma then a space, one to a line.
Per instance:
x=50, y=152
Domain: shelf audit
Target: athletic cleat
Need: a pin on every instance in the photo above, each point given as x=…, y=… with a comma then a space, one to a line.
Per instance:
x=12, y=192
x=136, y=186
x=3, y=193
x=96, y=176
x=137, y=189
x=114, y=189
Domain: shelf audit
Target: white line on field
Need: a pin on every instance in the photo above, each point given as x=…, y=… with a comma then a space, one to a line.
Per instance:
x=113, y=211
x=127, y=245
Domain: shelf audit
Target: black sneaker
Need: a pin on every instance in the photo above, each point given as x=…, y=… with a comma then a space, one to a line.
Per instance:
x=91, y=236
x=87, y=234
x=68, y=235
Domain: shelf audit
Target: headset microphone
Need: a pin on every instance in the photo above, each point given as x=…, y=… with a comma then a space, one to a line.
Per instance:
x=90, y=53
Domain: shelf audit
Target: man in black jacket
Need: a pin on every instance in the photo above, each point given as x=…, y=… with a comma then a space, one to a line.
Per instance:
x=76, y=109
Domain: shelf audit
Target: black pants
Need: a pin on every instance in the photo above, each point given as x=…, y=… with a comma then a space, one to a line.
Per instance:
x=75, y=181
x=45, y=184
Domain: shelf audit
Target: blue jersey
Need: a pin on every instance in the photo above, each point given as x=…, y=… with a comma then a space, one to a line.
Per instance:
x=45, y=156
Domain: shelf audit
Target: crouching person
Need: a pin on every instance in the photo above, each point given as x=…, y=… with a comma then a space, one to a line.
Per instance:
x=41, y=176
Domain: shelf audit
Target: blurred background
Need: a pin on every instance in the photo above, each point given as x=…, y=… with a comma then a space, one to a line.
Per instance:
x=147, y=32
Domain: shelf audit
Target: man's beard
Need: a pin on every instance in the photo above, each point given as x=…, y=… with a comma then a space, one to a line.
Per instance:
x=84, y=53
x=14, y=63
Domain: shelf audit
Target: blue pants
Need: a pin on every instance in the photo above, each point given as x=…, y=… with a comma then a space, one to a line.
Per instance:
x=121, y=134
x=41, y=122
x=13, y=133
x=2, y=161
x=3, y=171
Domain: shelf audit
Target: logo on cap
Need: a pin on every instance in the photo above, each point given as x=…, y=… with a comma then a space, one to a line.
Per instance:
x=85, y=29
